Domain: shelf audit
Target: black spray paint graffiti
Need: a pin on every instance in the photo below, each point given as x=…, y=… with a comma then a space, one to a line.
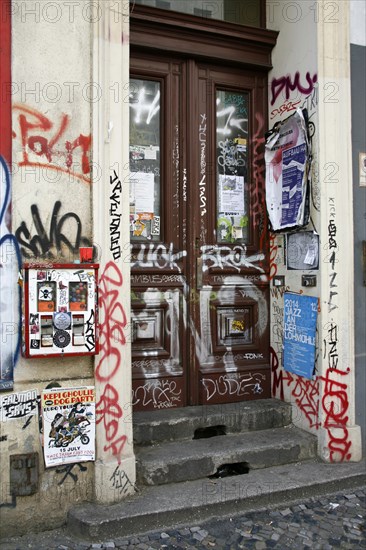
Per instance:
x=89, y=332
x=330, y=345
x=332, y=247
x=120, y=480
x=115, y=216
x=67, y=470
x=54, y=243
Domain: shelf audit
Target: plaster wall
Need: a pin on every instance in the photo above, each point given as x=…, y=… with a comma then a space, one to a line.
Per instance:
x=293, y=84
x=51, y=180
x=313, y=56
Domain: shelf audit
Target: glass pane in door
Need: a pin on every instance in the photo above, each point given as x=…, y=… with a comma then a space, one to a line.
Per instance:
x=232, y=195
x=145, y=193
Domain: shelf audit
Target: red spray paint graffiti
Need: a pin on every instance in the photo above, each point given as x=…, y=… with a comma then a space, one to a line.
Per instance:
x=258, y=207
x=273, y=250
x=335, y=405
x=32, y=127
x=306, y=392
x=112, y=337
x=289, y=84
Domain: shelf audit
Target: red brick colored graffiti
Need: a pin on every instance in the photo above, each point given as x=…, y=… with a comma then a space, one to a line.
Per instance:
x=279, y=376
x=111, y=329
x=273, y=249
x=335, y=405
x=287, y=84
x=306, y=392
x=110, y=413
x=41, y=137
x=286, y=107
x=112, y=337
x=258, y=208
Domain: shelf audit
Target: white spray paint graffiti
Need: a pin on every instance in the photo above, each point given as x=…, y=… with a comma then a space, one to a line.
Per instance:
x=231, y=121
x=234, y=384
x=158, y=256
x=163, y=394
x=202, y=183
x=226, y=257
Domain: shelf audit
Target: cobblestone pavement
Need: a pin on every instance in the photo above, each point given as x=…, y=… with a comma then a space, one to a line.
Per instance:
x=320, y=523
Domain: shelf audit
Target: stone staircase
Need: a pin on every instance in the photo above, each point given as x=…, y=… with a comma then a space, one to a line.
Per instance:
x=198, y=462
x=217, y=440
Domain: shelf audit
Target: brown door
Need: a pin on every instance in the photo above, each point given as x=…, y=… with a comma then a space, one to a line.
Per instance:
x=200, y=292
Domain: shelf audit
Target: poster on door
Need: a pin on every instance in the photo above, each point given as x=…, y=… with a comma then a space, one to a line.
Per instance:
x=287, y=156
x=300, y=317
x=68, y=425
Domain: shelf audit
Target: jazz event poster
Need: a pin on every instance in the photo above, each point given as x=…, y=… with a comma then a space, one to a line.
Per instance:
x=68, y=425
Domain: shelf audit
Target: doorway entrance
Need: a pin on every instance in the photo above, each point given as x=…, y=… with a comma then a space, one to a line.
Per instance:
x=199, y=262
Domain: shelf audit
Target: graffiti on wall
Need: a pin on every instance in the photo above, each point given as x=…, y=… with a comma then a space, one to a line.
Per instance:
x=113, y=322
x=287, y=84
x=10, y=291
x=62, y=238
x=335, y=405
x=306, y=393
x=202, y=183
x=115, y=215
x=43, y=143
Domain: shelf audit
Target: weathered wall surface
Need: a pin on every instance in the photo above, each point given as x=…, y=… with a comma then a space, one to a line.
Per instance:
x=50, y=189
x=311, y=69
x=293, y=84
x=67, y=189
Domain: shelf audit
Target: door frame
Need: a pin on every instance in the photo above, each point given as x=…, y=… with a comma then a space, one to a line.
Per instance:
x=158, y=33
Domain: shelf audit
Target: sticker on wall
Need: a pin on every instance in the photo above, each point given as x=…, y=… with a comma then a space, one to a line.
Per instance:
x=142, y=190
x=231, y=193
x=68, y=425
x=302, y=250
x=300, y=316
x=18, y=405
x=287, y=157
x=231, y=226
x=155, y=227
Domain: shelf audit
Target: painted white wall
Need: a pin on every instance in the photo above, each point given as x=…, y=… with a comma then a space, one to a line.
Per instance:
x=294, y=54
x=314, y=40
x=358, y=22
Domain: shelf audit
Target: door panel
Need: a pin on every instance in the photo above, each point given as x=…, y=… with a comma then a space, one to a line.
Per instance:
x=200, y=323
x=232, y=313
x=158, y=258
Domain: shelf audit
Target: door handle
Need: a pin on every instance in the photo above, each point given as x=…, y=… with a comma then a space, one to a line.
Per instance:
x=199, y=276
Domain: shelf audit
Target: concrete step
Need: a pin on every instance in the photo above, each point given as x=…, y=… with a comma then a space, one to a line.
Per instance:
x=172, y=424
x=194, y=459
x=167, y=506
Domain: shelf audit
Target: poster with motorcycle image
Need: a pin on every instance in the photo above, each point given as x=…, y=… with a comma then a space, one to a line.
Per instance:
x=68, y=425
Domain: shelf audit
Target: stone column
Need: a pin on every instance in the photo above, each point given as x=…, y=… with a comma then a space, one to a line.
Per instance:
x=115, y=464
x=339, y=438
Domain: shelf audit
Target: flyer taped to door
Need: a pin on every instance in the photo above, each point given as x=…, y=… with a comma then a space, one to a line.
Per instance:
x=287, y=156
x=68, y=425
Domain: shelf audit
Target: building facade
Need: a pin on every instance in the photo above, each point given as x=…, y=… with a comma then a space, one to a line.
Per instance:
x=137, y=130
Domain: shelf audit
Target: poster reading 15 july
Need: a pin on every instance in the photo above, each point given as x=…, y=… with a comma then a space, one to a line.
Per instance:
x=300, y=315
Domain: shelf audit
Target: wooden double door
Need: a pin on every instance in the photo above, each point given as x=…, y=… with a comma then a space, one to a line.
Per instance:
x=198, y=227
